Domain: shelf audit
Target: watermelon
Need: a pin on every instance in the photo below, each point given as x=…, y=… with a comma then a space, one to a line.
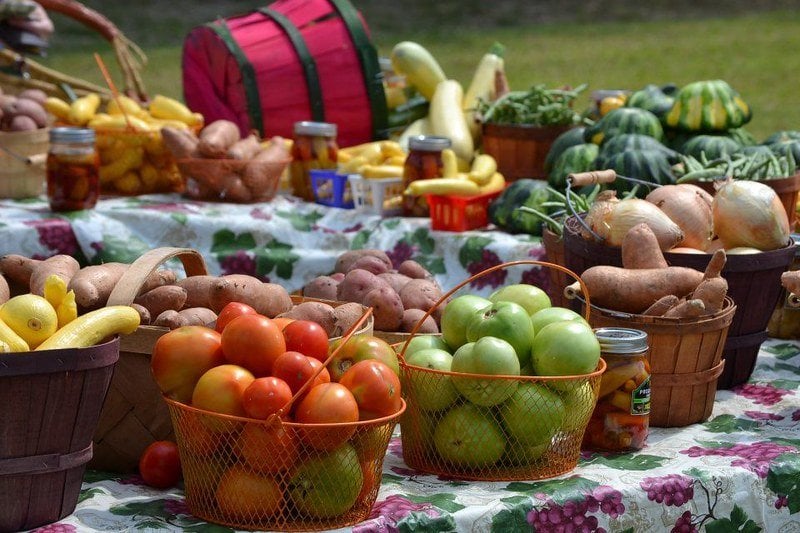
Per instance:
x=624, y=120
x=578, y=158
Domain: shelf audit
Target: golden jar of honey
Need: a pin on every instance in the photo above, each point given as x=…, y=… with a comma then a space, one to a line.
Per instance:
x=72, y=169
x=621, y=419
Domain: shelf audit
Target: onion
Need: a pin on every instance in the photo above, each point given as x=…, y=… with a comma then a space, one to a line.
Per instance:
x=689, y=207
x=615, y=223
x=750, y=214
x=685, y=250
x=742, y=250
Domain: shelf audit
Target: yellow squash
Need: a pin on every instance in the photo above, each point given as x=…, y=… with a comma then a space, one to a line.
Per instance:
x=89, y=329
x=447, y=118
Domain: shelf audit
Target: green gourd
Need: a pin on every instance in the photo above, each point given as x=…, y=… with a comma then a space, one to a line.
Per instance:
x=710, y=105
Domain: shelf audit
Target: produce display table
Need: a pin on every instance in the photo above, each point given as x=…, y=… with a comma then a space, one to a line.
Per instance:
x=739, y=471
x=285, y=241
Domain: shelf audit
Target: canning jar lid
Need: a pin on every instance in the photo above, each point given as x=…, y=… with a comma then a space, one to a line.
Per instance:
x=67, y=134
x=322, y=129
x=429, y=143
x=621, y=340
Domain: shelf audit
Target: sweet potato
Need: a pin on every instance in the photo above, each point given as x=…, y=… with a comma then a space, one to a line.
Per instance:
x=662, y=305
x=686, y=309
x=182, y=143
x=395, y=280
x=245, y=148
x=144, y=314
x=198, y=290
x=345, y=261
x=191, y=316
x=319, y=312
x=322, y=287
x=356, y=284
x=159, y=299
x=261, y=170
x=17, y=269
x=93, y=284
x=640, y=249
x=37, y=95
x=234, y=190
x=278, y=299
x=633, y=291
x=346, y=315
x=22, y=123
x=159, y=278
x=217, y=138
x=789, y=280
x=63, y=266
x=387, y=308
x=268, y=299
x=715, y=264
x=711, y=292
x=28, y=108
x=412, y=316
x=5, y=290
x=421, y=294
x=414, y=270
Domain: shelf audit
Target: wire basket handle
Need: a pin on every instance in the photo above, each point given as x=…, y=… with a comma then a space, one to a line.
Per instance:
x=489, y=270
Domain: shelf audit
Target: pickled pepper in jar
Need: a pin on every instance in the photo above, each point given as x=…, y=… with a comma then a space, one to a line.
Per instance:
x=620, y=421
x=314, y=148
x=72, y=169
x=424, y=161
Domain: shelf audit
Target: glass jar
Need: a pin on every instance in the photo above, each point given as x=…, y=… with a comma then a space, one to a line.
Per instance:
x=72, y=169
x=314, y=147
x=621, y=418
x=424, y=161
x=785, y=320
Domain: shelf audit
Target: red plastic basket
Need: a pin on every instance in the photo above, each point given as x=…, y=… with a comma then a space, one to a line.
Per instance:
x=460, y=213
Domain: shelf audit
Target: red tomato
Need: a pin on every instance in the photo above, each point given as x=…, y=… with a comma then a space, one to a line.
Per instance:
x=282, y=321
x=268, y=449
x=324, y=404
x=308, y=338
x=254, y=342
x=181, y=356
x=231, y=311
x=295, y=369
x=160, y=465
x=375, y=387
x=265, y=396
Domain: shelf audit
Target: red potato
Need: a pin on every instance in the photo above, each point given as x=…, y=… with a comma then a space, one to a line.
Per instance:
x=414, y=270
x=322, y=287
x=346, y=315
x=422, y=294
x=356, y=284
x=345, y=261
x=395, y=280
x=370, y=263
x=387, y=308
x=412, y=316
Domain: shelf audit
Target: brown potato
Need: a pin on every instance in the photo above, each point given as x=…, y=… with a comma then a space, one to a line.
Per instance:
x=318, y=312
x=144, y=314
x=387, y=308
x=322, y=287
x=412, y=316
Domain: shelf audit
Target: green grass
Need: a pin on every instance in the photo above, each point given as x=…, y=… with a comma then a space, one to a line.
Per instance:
x=753, y=52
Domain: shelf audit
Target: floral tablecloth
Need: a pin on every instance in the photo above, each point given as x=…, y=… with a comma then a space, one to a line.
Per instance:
x=285, y=241
x=739, y=471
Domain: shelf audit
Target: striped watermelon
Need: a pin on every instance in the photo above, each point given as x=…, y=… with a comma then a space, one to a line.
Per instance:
x=634, y=141
x=571, y=137
x=713, y=146
x=578, y=158
x=708, y=106
x=647, y=165
x=624, y=120
x=657, y=100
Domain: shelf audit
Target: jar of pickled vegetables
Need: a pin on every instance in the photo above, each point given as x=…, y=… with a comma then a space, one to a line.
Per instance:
x=314, y=147
x=621, y=418
x=785, y=320
x=72, y=169
x=424, y=161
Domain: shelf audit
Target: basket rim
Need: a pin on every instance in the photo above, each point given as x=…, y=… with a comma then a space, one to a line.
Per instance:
x=189, y=161
x=598, y=371
x=274, y=419
x=729, y=308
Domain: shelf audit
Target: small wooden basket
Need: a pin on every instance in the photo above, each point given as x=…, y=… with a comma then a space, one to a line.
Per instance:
x=685, y=361
x=51, y=403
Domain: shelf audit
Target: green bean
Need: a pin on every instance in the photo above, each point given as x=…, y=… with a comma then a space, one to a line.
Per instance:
x=699, y=175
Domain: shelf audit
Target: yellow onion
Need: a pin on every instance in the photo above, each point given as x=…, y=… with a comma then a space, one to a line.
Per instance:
x=615, y=223
x=749, y=214
x=685, y=250
x=689, y=207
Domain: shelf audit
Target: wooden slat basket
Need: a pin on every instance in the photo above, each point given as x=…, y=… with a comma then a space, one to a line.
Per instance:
x=51, y=404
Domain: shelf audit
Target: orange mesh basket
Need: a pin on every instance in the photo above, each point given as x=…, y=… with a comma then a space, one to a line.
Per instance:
x=522, y=428
x=278, y=475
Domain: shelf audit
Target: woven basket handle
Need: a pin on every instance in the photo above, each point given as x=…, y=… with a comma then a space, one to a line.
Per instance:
x=129, y=285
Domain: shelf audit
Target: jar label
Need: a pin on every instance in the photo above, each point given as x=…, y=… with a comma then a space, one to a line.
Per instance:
x=640, y=398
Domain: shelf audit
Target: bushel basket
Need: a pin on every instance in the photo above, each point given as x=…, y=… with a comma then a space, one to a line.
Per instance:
x=685, y=356
x=278, y=475
x=290, y=61
x=51, y=403
x=530, y=427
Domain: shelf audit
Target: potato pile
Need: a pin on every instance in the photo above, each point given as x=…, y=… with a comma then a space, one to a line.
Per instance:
x=166, y=301
x=399, y=297
x=219, y=164
x=23, y=112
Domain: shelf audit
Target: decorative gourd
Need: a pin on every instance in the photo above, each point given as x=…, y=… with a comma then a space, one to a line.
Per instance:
x=578, y=158
x=657, y=100
x=708, y=106
x=634, y=141
x=713, y=146
x=624, y=120
x=571, y=137
x=647, y=165
x=503, y=211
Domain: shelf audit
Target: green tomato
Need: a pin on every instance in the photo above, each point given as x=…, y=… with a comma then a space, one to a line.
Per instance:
x=508, y=321
x=423, y=342
x=565, y=348
x=431, y=391
x=468, y=436
x=457, y=314
x=553, y=314
x=489, y=356
x=531, y=297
